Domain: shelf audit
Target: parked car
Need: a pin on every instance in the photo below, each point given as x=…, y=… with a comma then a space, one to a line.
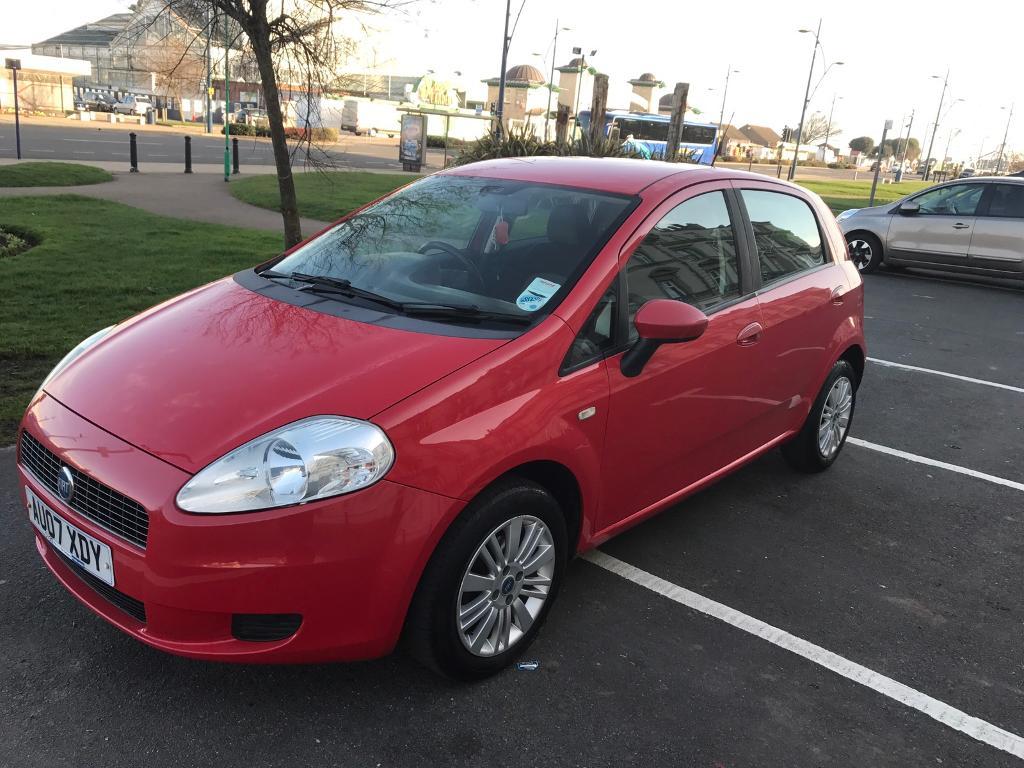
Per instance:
x=412, y=421
x=98, y=102
x=133, y=105
x=1018, y=174
x=252, y=116
x=973, y=226
x=966, y=173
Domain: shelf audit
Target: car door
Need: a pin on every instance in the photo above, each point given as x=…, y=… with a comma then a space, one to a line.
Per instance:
x=997, y=244
x=939, y=233
x=801, y=294
x=686, y=414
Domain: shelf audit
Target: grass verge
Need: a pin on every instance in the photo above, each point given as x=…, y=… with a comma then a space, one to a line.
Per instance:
x=324, y=196
x=51, y=175
x=76, y=280
x=842, y=195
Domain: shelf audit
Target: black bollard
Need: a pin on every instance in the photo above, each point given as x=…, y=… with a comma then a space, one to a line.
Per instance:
x=188, y=154
x=134, y=153
x=234, y=156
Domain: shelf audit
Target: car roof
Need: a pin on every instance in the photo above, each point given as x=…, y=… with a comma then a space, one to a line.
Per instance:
x=624, y=176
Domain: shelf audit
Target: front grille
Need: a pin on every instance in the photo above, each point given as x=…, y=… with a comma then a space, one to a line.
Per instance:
x=264, y=627
x=92, y=499
x=129, y=605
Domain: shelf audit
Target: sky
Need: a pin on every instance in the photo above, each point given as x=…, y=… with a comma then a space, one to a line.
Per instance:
x=890, y=53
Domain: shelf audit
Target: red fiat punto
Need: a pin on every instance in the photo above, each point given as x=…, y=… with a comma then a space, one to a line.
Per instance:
x=405, y=426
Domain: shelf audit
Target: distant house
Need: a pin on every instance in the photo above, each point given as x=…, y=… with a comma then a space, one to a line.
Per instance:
x=748, y=141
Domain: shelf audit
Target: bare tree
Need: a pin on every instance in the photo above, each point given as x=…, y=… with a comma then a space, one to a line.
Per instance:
x=817, y=127
x=295, y=45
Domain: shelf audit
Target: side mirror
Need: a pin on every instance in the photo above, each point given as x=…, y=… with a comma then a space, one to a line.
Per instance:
x=909, y=208
x=661, y=321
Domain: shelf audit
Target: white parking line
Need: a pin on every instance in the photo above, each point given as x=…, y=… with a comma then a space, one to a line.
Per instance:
x=944, y=713
x=957, y=376
x=935, y=463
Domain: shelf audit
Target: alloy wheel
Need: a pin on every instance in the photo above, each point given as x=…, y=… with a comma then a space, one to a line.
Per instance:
x=835, y=417
x=861, y=253
x=505, y=586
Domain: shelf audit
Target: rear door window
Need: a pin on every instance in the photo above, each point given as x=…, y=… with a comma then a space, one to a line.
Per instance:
x=786, y=234
x=1007, y=201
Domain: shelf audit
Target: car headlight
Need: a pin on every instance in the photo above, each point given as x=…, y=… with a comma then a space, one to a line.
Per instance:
x=312, y=459
x=846, y=214
x=73, y=355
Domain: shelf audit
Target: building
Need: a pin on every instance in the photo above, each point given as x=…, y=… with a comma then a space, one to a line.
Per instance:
x=95, y=42
x=525, y=96
x=643, y=97
x=44, y=82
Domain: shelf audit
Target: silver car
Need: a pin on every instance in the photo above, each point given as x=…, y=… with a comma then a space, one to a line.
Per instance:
x=970, y=225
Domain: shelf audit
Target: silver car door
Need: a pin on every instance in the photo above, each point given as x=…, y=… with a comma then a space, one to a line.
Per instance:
x=940, y=231
x=998, y=241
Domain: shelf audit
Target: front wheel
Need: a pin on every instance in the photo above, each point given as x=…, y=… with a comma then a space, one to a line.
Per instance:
x=865, y=251
x=490, y=583
x=823, y=435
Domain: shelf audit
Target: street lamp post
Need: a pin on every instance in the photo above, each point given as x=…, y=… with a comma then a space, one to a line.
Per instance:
x=952, y=135
x=906, y=143
x=579, y=85
x=551, y=79
x=808, y=93
x=828, y=130
x=499, y=110
x=1002, y=147
x=721, y=115
x=935, y=130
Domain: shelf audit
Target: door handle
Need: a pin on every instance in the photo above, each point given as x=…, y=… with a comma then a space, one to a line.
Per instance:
x=750, y=335
x=961, y=225
x=837, y=295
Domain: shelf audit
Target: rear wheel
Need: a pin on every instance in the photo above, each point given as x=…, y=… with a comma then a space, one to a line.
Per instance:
x=865, y=251
x=490, y=583
x=823, y=435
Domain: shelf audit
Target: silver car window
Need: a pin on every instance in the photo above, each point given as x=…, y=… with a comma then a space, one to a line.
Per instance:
x=954, y=200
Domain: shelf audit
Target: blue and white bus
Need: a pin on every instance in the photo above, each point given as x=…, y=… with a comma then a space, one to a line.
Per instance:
x=698, y=145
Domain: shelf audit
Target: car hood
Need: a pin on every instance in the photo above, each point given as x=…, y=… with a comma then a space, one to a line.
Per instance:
x=191, y=379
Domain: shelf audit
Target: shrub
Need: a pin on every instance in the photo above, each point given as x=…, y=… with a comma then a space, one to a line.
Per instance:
x=14, y=240
x=437, y=142
x=523, y=142
x=241, y=129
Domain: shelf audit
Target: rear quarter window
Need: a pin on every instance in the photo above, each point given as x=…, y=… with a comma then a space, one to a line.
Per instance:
x=786, y=234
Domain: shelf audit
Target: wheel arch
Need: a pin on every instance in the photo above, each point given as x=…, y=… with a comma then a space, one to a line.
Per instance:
x=855, y=356
x=560, y=482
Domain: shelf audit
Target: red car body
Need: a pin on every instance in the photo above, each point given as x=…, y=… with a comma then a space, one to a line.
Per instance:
x=460, y=412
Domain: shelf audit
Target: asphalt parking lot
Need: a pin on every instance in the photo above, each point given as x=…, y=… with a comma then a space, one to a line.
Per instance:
x=895, y=562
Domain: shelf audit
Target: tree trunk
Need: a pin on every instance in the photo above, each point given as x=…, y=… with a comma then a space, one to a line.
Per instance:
x=259, y=38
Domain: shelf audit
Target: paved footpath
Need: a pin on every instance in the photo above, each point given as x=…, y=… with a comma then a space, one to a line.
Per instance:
x=202, y=196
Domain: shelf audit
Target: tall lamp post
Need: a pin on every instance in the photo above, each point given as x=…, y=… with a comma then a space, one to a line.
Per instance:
x=499, y=110
x=935, y=129
x=906, y=143
x=551, y=77
x=807, y=93
x=1002, y=147
x=828, y=130
x=952, y=135
x=721, y=115
x=578, y=51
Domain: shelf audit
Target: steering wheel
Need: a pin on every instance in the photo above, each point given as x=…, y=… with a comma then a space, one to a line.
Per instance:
x=462, y=258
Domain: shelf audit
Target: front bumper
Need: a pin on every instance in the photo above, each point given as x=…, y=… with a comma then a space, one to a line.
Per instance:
x=348, y=565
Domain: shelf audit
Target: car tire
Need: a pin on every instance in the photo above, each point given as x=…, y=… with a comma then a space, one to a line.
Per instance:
x=814, y=449
x=865, y=251
x=472, y=588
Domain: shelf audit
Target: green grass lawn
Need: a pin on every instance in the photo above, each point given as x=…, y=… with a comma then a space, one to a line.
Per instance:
x=50, y=175
x=78, y=279
x=841, y=195
x=324, y=196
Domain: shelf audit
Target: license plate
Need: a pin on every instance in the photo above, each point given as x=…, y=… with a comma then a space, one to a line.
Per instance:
x=92, y=555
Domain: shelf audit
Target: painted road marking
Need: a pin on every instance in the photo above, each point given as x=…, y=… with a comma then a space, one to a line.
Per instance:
x=935, y=463
x=957, y=376
x=851, y=670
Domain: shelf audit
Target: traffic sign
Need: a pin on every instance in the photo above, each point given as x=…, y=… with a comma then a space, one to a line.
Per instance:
x=12, y=63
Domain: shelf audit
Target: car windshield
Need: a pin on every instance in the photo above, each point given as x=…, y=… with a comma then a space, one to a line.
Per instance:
x=509, y=248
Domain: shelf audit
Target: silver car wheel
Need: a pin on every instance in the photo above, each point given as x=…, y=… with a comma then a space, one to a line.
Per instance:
x=835, y=417
x=505, y=586
x=861, y=253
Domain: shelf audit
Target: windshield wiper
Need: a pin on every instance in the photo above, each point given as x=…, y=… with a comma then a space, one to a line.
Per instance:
x=339, y=285
x=461, y=312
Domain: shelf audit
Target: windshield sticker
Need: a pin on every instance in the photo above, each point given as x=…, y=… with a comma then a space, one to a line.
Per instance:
x=537, y=294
